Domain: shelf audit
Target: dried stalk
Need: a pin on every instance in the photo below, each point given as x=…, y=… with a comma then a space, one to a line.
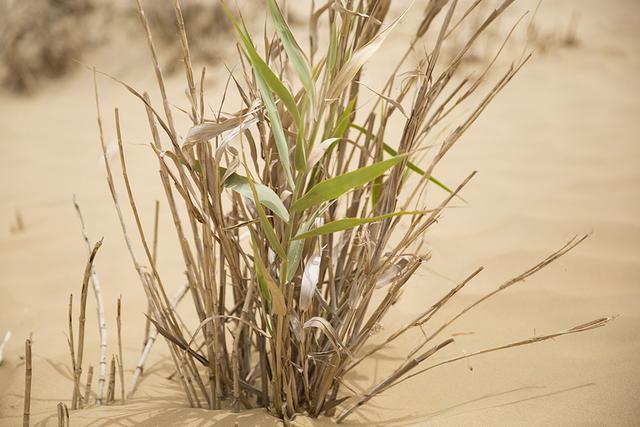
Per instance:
x=102, y=322
x=150, y=341
x=87, y=389
x=72, y=352
x=27, y=383
x=112, y=381
x=120, y=368
x=63, y=415
x=77, y=397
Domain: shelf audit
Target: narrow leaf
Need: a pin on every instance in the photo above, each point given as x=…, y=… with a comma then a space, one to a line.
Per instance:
x=360, y=57
x=266, y=283
x=269, y=232
x=348, y=223
x=265, y=195
x=335, y=187
x=295, y=252
x=412, y=166
x=318, y=151
x=268, y=81
x=297, y=57
x=344, y=119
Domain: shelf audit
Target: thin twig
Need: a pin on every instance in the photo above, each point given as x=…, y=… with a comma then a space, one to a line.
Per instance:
x=102, y=321
x=63, y=415
x=150, y=341
x=81, y=323
x=112, y=380
x=27, y=383
x=120, y=363
x=87, y=389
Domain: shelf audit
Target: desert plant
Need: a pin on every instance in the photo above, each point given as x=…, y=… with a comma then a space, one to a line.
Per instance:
x=302, y=216
x=41, y=39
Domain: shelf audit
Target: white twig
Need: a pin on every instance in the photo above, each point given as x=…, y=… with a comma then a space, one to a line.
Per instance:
x=152, y=338
x=102, y=323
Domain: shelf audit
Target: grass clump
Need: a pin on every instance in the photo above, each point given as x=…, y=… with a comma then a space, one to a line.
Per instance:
x=302, y=216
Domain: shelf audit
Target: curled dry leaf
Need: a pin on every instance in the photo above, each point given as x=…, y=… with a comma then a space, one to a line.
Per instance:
x=309, y=282
x=392, y=272
x=209, y=130
x=318, y=151
x=233, y=133
x=296, y=327
x=360, y=57
x=323, y=325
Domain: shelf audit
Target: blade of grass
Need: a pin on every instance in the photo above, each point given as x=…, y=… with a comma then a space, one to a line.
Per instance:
x=297, y=57
x=264, y=195
x=335, y=187
x=348, y=223
x=410, y=165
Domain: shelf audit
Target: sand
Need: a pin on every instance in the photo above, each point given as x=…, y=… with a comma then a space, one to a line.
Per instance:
x=557, y=155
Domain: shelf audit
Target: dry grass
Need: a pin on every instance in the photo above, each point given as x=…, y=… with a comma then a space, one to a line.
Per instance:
x=302, y=216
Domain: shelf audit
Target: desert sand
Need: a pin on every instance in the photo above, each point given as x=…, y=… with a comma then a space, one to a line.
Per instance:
x=557, y=154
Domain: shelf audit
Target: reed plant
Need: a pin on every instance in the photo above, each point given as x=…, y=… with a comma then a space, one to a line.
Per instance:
x=302, y=216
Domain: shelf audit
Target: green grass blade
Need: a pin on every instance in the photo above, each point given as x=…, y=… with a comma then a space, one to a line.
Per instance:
x=267, y=81
x=266, y=74
x=410, y=165
x=278, y=132
x=296, y=56
x=268, y=288
x=417, y=169
x=266, y=196
x=348, y=223
x=294, y=254
x=335, y=187
x=269, y=232
x=344, y=120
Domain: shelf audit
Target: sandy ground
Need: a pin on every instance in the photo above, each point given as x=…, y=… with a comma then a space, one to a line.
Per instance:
x=557, y=155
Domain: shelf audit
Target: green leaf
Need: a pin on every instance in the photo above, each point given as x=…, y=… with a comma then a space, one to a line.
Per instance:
x=410, y=165
x=417, y=170
x=299, y=156
x=295, y=251
x=267, y=81
x=297, y=57
x=268, y=287
x=347, y=73
x=335, y=187
x=344, y=119
x=263, y=71
x=278, y=133
x=265, y=195
x=348, y=223
x=269, y=232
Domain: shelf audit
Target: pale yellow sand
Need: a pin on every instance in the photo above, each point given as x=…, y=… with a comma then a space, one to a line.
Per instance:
x=558, y=154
